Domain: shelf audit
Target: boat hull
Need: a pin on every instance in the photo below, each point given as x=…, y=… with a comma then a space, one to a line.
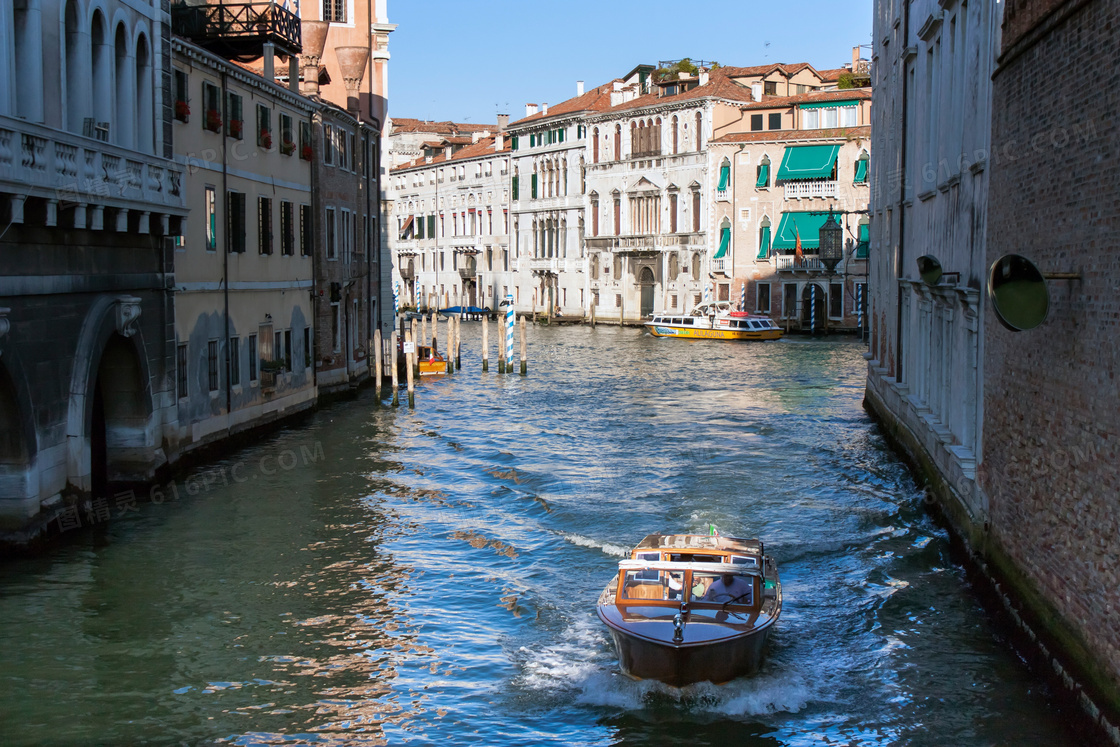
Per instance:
x=667, y=330
x=684, y=664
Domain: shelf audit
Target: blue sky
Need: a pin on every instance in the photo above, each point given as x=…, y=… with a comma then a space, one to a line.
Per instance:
x=466, y=61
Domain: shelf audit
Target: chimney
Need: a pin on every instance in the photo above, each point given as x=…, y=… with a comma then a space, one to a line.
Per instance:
x=499, y=140
x=756, y=91
x=353, y=61
x=314, y=35
x=447, y=152
x=618, y=85
x=703, y=76
x=530, y=110
x=855, y=58
x=503, y=122
x=579, y=88
x=616, y=98
x=544, y=108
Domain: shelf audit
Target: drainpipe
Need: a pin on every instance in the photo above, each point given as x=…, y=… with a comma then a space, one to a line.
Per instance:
x=225, y=254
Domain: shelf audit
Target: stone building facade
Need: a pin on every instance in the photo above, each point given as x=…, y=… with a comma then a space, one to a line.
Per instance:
x=89, y=198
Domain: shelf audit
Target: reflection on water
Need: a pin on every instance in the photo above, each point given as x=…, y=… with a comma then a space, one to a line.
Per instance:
x=381, y=575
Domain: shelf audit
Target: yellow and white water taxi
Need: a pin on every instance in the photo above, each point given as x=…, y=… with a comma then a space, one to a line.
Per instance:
x=715, y=321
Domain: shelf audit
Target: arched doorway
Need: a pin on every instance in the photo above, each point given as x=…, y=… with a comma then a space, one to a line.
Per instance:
x=119, y=418
x=813, y=298
x=647, y=282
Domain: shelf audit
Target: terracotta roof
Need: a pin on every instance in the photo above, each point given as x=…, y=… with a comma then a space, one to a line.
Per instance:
x=404, y=124
x=760, y=70
x=484, y=147
x=831, y=76
x=813, y=97
x=596, y=100
x=840, y=133
x=719, y=86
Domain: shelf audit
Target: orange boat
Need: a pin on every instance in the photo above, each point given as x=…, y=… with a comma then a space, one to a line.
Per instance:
x=687, y=608
x=431, y=362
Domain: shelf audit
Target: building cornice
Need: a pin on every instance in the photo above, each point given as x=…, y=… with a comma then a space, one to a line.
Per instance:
x=220, y=65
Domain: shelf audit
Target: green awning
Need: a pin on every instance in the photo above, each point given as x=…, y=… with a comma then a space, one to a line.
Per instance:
x=828, y=104
x=724, y=242
x=763, y=176
x=806, y=224
x=861, y=171
x=808, y=162
x=764, y=244
x=864, y=244
x=724, y=176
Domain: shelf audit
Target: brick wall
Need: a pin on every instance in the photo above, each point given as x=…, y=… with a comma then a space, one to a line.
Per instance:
x=1052, y=396
x=1020, y=16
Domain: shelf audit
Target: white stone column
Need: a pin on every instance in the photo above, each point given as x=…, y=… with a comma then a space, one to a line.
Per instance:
x=7, y=57
x=28, y=69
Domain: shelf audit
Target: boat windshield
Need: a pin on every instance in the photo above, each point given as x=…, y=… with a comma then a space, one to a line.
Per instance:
x=722, y=588
x=658, y=585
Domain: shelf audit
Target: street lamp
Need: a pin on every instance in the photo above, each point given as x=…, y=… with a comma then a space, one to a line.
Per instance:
x=831, y=243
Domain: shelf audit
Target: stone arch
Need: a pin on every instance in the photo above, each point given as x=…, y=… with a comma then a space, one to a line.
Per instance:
x=111, y=400
x=123, y=111
x=144, y=88
x=75, y=51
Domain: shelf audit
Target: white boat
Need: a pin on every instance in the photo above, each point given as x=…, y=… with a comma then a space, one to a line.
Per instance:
x=715, y=321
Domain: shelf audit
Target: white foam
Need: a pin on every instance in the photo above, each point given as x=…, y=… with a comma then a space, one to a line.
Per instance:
x=614, y=550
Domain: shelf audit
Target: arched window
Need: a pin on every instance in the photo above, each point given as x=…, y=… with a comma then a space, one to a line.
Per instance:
x=657, y=136
x=145, y=134
x=674, y=135
x=28, y=37
x=123, y=118
x=762, y=177
x=618, y=142
x=861, y=169
x=696, y=265
x=595, y=145
x=101, y=54
x=764, y=238
x=674, y=266
x=77, y=88
x=699, y=131
x=635, y=144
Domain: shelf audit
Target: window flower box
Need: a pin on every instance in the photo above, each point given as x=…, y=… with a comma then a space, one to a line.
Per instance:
x=213, y=120
x=264, y=139
x=235, y=128
x=307, y=153
x=287, y=147
x=182, y=111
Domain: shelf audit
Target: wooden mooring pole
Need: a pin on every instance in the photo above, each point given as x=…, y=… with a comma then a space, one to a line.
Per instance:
x=592, y=315
x=393, y=345
x=377, y=369
x=524, y=360
x=458, y=342
x=414, y=368
x=485, y=344
x=413, y=359
x=448, y=335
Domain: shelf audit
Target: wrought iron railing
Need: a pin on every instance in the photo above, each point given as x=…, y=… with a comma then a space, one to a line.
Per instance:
x=238, y=24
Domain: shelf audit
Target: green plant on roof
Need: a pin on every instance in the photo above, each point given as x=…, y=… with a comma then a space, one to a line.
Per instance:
x=673, y=72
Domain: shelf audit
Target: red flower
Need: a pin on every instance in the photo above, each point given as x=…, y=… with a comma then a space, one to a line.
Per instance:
x=213, y=120
x=182, y=110
x=287, y=147
x=264, y=139
x=307, y=153
x=235, y=128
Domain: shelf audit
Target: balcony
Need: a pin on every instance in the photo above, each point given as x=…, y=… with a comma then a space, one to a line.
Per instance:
x=544, y=265
x=721, y=265
x=810, y=189
x=790, y=263
x=238, y=30
x=71, y=170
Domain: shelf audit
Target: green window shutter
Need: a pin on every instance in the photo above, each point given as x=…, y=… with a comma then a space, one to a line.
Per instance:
x=431, y=226
x=764, y=243
x=864, y=245
x=515, y=188
x=513, y=143
x=724, y=176
x=861, y=171
x=534, y=187
x=724, y=242
x=763, y=176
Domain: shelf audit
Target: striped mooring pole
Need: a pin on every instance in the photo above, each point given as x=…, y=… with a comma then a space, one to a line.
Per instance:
x=511, y=315
x=813, y=308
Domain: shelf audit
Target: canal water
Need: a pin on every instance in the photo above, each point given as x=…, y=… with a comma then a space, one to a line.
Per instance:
x=378, y=575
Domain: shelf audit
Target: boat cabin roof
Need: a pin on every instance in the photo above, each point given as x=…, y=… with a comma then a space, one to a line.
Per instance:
x=700, y=543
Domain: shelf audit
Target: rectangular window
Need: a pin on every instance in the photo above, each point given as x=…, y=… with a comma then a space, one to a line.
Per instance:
x=770, y=88
x=828, y=118
x=253, y=354
x=235, y=361
x=264, y=224
x=848, y=116
x=332, y=249
x=212, y=364
x=835, y=300
x=287, y=229
x=211, y=219
x=762, y=302
x=212, y=106
x=336, y=327
x=328, y=145
x=305, y=148
x=235, y=222
x=756, y=122
x=182, y=100
x=278, y=347
x=234, y=122
x=307, y=347
x=287, y=350
x=334, y=11
x=774, y=121
x=789, y=300
x=811, y=119
x=287, y=135
x=181, y=370
x=306, y=236
x=264, y=126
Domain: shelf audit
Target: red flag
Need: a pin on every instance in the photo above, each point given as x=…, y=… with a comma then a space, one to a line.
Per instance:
x=797, y=246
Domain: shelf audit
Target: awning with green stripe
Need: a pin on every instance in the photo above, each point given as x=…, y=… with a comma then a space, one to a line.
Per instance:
x=806, y=224
x=808, y=162
x=828, y=104
x=764, y=244
x=763, y=176
x=724, y=242
x=861, y=171
x=724, y=176
x=864, y=245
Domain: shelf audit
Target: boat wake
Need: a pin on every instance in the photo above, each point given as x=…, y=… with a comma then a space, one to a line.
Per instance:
x=614, y=550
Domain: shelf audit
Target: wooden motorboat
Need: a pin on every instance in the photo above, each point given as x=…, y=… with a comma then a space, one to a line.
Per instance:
x=687, y=608
x=714, y=321
x=430, y=361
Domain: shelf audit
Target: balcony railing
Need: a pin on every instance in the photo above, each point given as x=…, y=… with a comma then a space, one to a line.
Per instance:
x=810, y=189
x=70, y=168
x=720, y=265
x=238, y=29
x=544, y=265
x=790, y=263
